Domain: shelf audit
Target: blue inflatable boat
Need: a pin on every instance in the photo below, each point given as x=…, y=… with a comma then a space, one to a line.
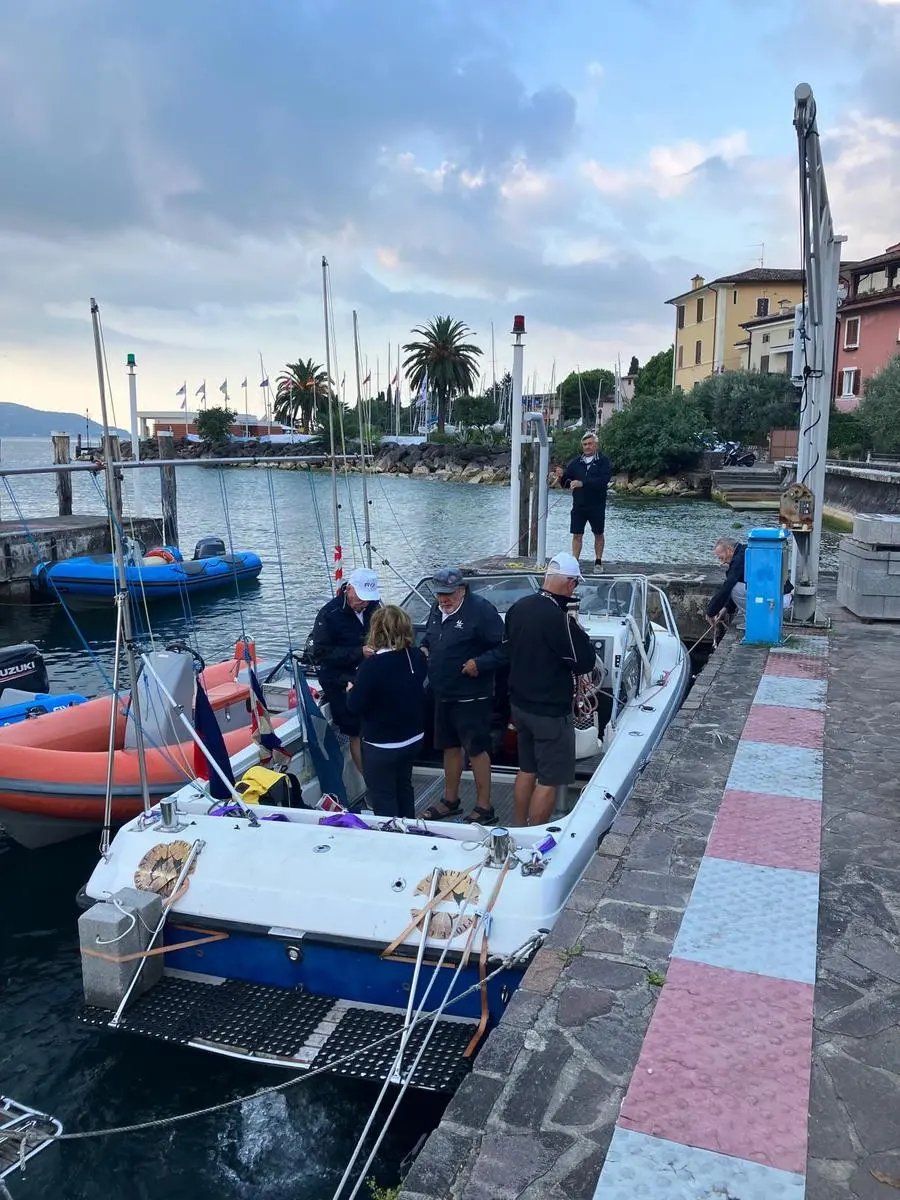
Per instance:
x=24, y=686
x=157, y=574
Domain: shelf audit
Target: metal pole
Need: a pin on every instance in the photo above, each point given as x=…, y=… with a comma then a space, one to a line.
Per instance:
x=338, y=553
x=111, y=499
x=515, y=427
x=132, y=408
x=252, y=460
x=362, y=444
x=821, y=262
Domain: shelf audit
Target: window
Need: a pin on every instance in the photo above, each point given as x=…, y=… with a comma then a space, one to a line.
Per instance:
x=765, y=338
x=699, y=310
x=734, y=296
x=681, y=354
x=764, y=364
x=791, y=334
x=681, y=316
x=851, y=333
x=762, y=307
x=850, y=382
x=698, y=353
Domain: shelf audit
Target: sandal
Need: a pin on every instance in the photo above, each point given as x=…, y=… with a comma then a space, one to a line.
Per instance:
x=483, y=816
x=440, y=811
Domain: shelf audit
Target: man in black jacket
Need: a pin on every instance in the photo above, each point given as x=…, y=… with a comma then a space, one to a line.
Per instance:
x=463, y=640
x=733, y=592
x=547, y=648
x=339, y=636
x=588, y=476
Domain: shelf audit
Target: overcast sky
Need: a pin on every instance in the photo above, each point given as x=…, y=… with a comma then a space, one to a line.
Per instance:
x=189, y=163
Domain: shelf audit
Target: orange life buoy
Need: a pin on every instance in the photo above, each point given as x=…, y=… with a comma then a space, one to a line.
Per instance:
x=161, y=552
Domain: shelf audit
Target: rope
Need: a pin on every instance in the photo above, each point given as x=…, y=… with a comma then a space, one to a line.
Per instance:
x=318, y=515
x=209, y=1110
x=237, y=590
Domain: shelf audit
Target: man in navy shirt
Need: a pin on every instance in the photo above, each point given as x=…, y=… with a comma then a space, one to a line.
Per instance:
x=588, y=477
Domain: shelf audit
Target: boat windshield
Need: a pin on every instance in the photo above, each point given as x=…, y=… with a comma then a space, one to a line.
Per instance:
x=614, y=597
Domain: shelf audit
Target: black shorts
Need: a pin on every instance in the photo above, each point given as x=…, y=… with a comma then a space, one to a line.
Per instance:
x=595, y=517
x=346, y=721
x=463, y=723
x=546, y=746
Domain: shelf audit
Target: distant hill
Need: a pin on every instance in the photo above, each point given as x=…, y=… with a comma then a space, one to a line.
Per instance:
x=17, y=420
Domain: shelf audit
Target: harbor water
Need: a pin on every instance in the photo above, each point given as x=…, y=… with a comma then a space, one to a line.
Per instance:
x=294, y=1145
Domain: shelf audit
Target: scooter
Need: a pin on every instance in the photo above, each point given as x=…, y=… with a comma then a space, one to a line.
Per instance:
x=736, y=456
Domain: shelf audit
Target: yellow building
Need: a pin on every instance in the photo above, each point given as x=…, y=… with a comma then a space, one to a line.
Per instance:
x=709, y=319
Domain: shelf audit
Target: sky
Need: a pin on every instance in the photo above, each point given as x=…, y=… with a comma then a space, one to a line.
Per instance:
x=190, y=165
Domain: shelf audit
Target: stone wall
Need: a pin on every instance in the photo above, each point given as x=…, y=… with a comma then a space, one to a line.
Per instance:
x=52, y=538
x=534, y=1118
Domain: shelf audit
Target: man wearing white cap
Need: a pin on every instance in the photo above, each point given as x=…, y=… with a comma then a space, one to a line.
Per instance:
x=339, y=637
x=547, y=648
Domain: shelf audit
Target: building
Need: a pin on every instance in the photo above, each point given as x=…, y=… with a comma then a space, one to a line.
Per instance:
x=709, y=318
x=768, y=342
x=868, y=333
x=182, y=424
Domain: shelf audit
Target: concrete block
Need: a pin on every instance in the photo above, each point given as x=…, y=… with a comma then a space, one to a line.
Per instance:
x=118, y=930
x=877, y=529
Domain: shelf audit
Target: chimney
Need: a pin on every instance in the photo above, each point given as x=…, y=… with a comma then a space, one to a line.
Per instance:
x=697, y=282
x=785, y=306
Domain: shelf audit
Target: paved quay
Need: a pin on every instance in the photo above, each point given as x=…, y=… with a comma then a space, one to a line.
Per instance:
x=715, y=1013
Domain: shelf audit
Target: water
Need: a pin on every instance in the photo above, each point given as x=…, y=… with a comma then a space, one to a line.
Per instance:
x=285, y=1147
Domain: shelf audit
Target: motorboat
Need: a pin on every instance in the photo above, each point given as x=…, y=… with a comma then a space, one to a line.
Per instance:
x=315, y=919
x=54, y=771
x=25, y=686
x=160, y=573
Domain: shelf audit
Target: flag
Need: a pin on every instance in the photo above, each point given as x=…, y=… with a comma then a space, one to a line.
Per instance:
x=210, y=735
x=423, y=393
x=324, y=747
x=368, y=379
x=343, y=380
x=271, y=752
x=182, y=391
x=201, y=390
x=244, y=384
x=265, y=382
x=223, y=388
x=396, y=379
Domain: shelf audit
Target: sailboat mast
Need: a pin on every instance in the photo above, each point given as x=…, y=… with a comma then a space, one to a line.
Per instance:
x=494, y=373
x=362, y=444
x=112, y=499
x=338, y=553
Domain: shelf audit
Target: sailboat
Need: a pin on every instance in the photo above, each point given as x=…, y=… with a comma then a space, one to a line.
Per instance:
x=336, y=940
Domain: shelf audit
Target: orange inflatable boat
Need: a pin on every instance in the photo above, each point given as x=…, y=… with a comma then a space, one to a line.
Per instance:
x=53, y=769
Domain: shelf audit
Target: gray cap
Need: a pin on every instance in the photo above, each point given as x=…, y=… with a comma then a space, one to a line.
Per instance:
x=447, y=580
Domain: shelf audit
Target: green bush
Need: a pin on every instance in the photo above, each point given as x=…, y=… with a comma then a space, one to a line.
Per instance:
x=565, y=445
x=745, y=406
x=213, y=424
x=655, y=435
x=879, y=410
x=848, y=436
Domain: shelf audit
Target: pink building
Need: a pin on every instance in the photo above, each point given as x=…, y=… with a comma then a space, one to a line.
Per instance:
x=868, y=334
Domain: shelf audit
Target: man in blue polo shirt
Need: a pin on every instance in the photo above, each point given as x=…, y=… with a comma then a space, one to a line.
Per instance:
x=588, y=476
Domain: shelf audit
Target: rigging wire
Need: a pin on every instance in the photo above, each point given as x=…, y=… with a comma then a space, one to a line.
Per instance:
x=318, y=515
x=287, y=615
x=237, y=589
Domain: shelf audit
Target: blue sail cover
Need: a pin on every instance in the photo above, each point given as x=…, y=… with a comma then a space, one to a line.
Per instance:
x=324, y=748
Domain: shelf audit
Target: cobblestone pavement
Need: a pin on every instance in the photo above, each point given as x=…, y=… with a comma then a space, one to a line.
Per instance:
x=535, y=1118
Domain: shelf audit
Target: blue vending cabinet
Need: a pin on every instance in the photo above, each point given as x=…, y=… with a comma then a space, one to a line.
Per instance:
x=765, y=572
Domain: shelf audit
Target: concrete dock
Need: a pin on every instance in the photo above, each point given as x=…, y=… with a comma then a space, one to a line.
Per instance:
x=715, y=1013
x=53, y=538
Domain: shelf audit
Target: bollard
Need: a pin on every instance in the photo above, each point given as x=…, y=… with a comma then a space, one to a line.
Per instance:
x=168, y=488
x=61, y=449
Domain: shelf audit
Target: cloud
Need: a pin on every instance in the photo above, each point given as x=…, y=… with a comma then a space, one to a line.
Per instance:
x=667, y=170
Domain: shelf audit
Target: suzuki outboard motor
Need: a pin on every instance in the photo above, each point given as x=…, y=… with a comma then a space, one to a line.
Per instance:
x=22, y=668
x=209, y=547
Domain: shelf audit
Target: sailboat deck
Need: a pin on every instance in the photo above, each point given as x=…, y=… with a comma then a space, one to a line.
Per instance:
x=429, y=788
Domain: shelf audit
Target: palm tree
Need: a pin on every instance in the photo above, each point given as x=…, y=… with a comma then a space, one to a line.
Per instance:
x=298, y=388
x=450, y=362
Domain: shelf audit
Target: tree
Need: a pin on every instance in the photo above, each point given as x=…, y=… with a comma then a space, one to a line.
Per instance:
x=848, y=436
x=475, y=412
x=879, y=409
x=655, y=376
x=580, y=391
x=634, y=365
x=214, y=424
x=655, y=435
x=449, y=361
x=299, y=387
x=745, y=406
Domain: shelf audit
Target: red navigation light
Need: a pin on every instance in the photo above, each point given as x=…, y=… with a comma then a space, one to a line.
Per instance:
x=518, y=324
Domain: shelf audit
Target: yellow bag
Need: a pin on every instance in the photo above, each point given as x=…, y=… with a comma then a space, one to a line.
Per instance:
x=260, y=785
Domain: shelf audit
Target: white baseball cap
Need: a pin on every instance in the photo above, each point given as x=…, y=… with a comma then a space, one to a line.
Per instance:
x=565, y=564
x=365, y=583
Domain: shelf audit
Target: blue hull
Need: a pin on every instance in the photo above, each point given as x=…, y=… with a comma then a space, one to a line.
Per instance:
x=96, y=576
x=340, y=972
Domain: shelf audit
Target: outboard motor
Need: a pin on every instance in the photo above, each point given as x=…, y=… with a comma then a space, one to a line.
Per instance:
x=209, y=547
x=22, y=668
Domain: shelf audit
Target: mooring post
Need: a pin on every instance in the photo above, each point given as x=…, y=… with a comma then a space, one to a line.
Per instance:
x=168, y=488
x=61, y=447
x=113, y=452
x=524, y=498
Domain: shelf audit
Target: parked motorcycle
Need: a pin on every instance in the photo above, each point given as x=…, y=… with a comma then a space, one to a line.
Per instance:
x=736, y=456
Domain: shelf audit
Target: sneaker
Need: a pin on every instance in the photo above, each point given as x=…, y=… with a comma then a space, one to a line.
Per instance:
x=598, y=566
